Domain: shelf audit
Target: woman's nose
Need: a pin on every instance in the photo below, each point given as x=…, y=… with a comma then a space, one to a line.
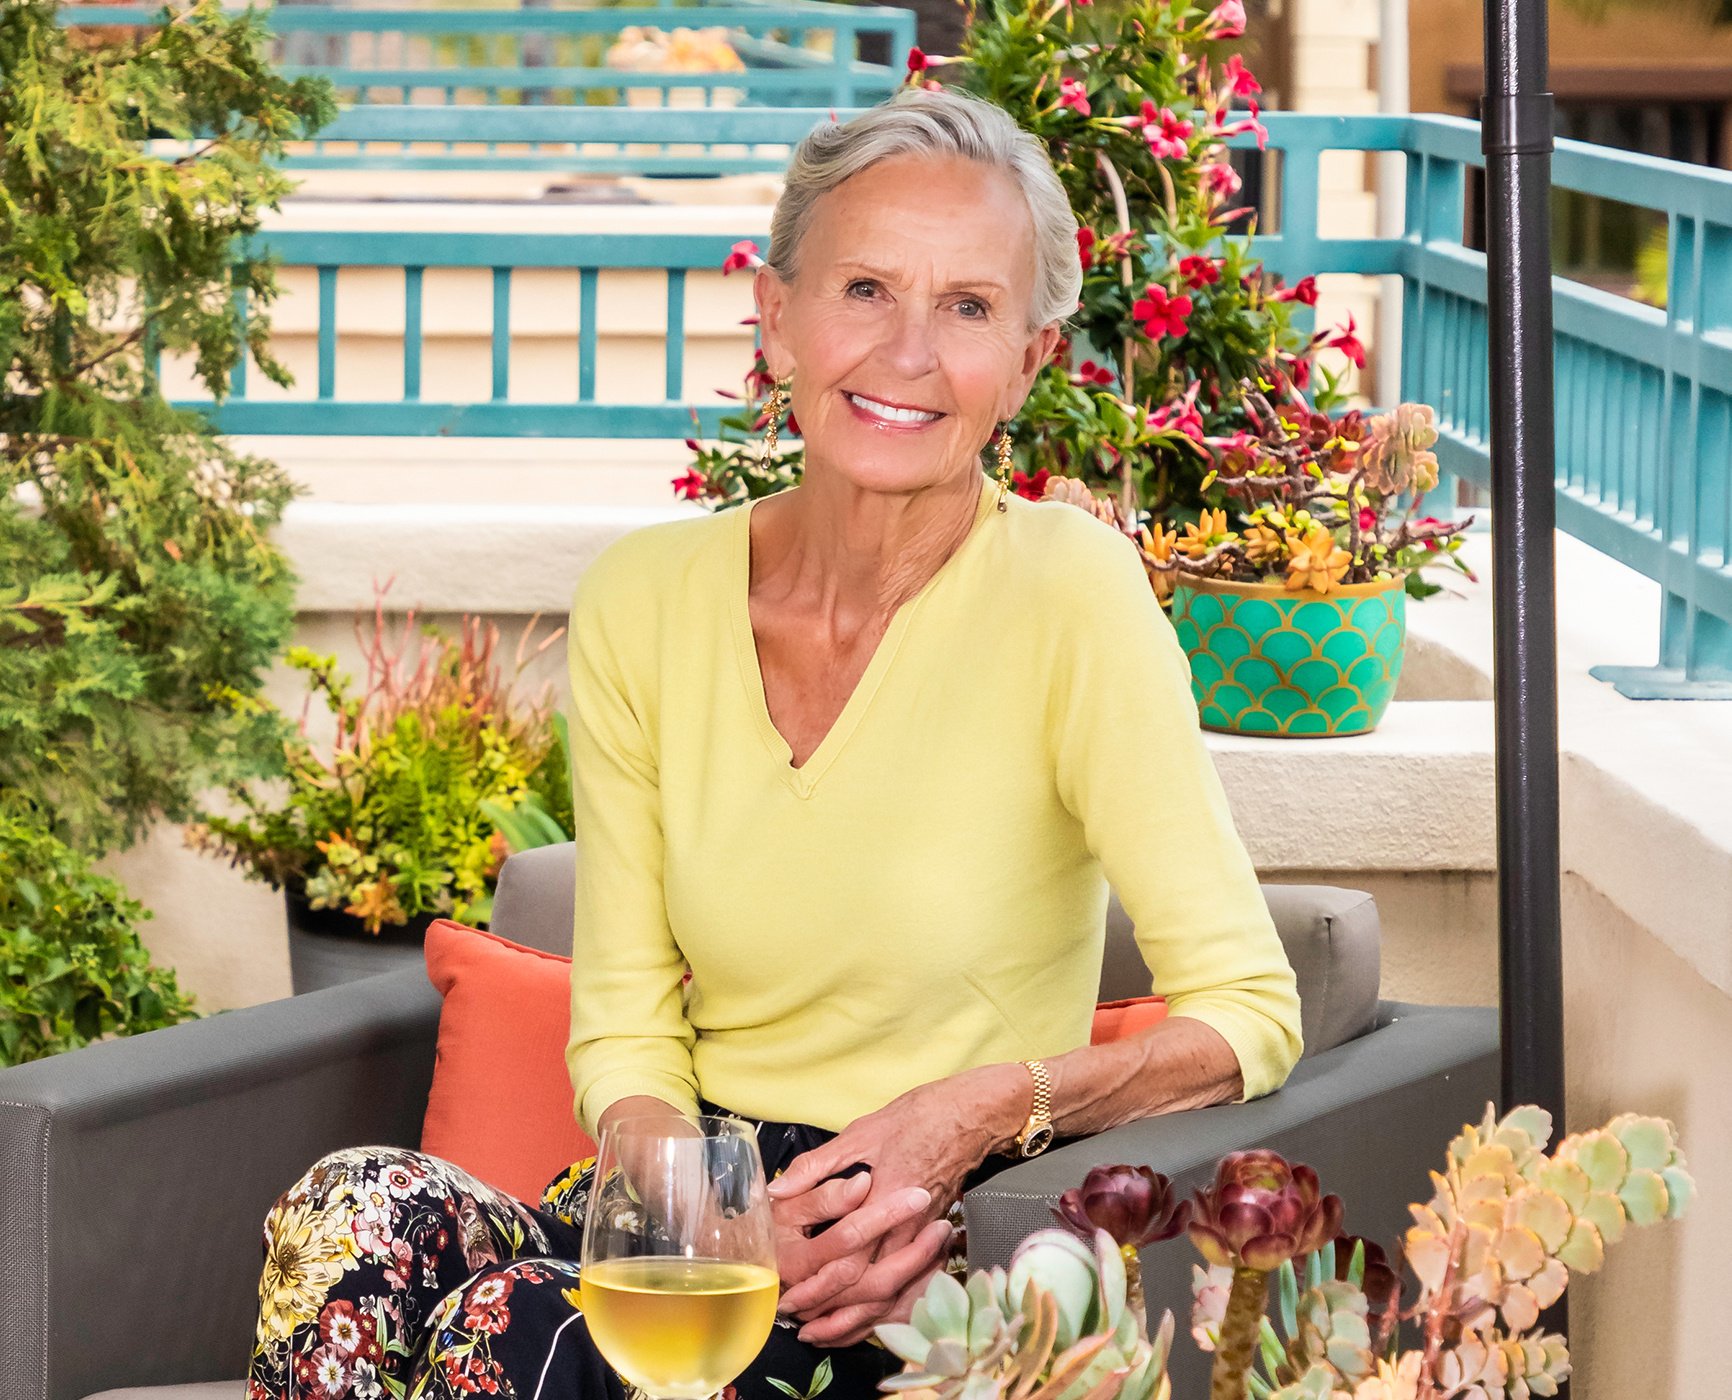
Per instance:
x=911, y=348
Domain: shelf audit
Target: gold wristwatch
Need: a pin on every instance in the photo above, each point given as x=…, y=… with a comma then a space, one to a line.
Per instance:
x=1036, y=1134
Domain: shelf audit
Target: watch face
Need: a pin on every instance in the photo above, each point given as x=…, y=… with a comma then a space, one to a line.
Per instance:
x=1037, y=1141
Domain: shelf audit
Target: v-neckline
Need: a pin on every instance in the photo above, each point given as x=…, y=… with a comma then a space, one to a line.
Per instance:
x=804, y=779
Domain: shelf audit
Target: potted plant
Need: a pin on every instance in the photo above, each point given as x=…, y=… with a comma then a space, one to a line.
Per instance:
x=1290, y=600
x=396, y=819
x=1505, y=1229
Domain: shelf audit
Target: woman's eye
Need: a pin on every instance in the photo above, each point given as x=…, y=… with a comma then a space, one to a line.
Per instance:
x=861, y=288
x=972, y=307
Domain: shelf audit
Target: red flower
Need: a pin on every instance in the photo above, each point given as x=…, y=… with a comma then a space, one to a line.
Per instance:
x=691, y=486
x=1226, y=21
x=1435, y=523
x=341, y=1328
x=1061, y=351
x=1181, y=416
x=1367, y=520
x=1085, y=245
x=1304, y=291
x=1160, y=314
x=1031, y=487
x=1165, y=131
x=1073, y=94
x=916, y=62
x=1220, y=179
x=759, y=380
x=1091, y=373
x=1348, y=343
x=1199, y=271
x=1223, y=128
x=487, y=1308
x=744, y=255
x=1238, y=453
x=1241, y=82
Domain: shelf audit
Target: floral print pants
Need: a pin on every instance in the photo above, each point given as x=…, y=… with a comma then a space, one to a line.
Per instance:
x=389, y=1273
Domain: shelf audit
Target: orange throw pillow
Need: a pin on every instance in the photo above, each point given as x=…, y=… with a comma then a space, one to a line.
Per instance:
x=1119, y=1020
x=501, y=1105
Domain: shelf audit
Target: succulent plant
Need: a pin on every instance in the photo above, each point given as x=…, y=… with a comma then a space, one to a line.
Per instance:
x=1137, y=1206
x=1261, y=1211
x=1333, y=1330
x=1068, y=1334
x=1507, y=1225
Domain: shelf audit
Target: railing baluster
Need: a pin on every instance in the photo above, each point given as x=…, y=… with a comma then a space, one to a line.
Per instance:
x=412, y=333
x=586, y=280
x=238, y=376
x=501, y=333
x=676, y=333
x=327, y=332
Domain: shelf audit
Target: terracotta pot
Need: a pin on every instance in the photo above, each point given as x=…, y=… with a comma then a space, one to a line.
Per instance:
x=328, y=947
x=1291, y=663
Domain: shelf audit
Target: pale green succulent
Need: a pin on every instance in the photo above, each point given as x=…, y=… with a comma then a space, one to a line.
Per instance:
x=1054, y=1326
x=1334, y=1331
x=1516, y=1222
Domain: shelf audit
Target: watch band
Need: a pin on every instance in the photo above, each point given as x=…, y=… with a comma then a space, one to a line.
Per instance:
x=1036, y=1135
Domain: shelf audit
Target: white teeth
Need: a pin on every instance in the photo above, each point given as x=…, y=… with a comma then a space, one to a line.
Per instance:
x=889, y=414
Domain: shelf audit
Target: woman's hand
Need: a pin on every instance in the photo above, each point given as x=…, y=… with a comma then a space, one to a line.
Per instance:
x=930, y=1138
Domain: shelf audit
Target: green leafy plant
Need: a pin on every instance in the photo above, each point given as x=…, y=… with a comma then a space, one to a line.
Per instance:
x=72, y=968
x=1178, y=322
x=1506, y=1227
x=140, y=600
x=402, y=813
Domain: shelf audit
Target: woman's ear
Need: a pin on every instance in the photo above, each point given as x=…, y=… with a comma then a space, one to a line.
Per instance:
x=771, y=294
x=1034, y=357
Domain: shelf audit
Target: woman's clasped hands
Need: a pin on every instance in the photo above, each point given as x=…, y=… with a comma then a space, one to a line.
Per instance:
x=890, y=1232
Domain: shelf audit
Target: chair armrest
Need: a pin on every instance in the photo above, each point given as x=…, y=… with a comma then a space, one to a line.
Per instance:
x=1373, y=1116
x=135, y=1176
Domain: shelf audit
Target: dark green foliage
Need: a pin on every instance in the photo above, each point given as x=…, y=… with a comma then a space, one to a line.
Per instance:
x=140, y=599
x=71, y=966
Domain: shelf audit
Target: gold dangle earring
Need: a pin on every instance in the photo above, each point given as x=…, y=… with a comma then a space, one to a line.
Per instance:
x=778, y=405
x=1003, y=463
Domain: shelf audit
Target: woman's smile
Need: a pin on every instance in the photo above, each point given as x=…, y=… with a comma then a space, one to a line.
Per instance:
x=889, y=414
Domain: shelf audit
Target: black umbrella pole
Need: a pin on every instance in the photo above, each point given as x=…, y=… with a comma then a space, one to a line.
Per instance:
x=1518, y=144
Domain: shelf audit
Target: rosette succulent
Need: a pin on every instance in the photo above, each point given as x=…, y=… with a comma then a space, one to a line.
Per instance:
x=1137, y=1206
x=1054, y=1326
x=1262, y=1210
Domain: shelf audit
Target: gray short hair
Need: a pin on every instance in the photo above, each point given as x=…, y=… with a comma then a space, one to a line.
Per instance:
x=920, y=121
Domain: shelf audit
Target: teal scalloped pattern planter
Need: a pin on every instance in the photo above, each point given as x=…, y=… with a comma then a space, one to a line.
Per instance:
x=1296, y=665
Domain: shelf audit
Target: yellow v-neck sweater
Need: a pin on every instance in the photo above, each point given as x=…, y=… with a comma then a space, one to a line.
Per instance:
x=927, y=893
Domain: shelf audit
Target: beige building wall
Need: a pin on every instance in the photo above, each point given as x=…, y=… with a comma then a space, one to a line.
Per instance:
x=1331, y=67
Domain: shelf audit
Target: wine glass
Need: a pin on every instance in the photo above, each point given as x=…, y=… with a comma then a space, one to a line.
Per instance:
x=679, y=1280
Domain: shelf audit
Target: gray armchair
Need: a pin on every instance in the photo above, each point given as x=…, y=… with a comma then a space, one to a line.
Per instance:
x=134, y=1175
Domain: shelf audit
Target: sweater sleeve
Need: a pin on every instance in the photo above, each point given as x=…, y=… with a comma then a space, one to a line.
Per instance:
x=629, y=1033
x=1132, y=768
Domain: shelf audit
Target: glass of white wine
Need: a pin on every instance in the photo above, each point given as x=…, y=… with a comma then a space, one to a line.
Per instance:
x=679, y=1280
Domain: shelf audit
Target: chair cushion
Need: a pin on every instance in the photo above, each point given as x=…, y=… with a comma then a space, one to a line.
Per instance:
x=197, y=1390
x=1332, y=937
x=500, y=1106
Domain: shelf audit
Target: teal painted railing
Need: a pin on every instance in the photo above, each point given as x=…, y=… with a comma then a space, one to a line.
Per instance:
x=796, y=53
x=614, y=140
x=1644, y=395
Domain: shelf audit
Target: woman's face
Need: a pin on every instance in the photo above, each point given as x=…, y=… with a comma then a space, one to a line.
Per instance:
x=906, y=328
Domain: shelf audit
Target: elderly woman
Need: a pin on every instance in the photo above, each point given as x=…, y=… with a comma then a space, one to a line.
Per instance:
x=863, y=756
